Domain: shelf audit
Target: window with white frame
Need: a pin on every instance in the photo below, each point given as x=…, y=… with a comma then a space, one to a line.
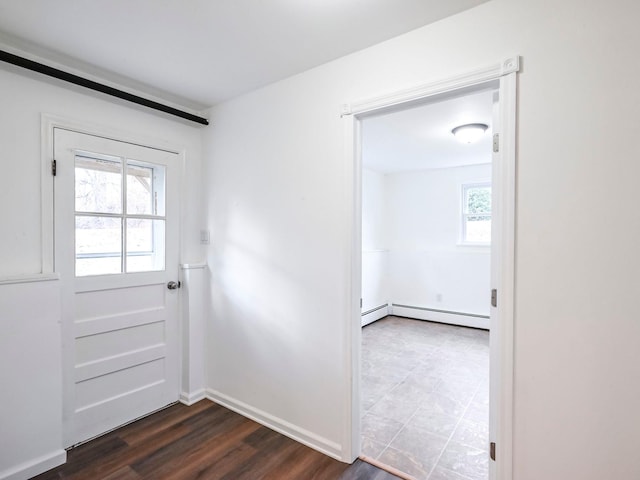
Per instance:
x=119, y=212
x=476, y=213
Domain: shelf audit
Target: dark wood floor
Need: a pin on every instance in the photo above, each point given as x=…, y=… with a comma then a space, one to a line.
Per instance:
x=204, y=441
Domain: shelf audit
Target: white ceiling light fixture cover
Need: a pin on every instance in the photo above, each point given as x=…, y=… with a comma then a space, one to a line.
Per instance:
x=469, y=133
x=419, y=137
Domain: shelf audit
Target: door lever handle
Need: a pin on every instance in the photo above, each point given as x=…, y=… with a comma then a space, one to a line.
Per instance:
x=173, y=285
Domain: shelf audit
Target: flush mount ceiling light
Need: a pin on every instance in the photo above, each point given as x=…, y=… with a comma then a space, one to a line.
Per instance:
x=470, y=132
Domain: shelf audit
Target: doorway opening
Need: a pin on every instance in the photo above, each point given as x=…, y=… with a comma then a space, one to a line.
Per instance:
x=500, y=80
x=426, y=260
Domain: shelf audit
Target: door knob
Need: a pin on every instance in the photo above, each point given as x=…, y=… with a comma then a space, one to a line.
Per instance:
x=173, y=285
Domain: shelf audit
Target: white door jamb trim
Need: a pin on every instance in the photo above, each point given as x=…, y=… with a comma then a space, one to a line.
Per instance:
x=504, y=251
x=47, y=124
x=469, y=79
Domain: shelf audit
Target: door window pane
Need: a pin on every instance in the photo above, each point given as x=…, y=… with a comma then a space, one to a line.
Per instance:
x=98, y=185
x=101, y=242
x=140, y=190
x=98, y=245
x=145, y=189
x=145, y=245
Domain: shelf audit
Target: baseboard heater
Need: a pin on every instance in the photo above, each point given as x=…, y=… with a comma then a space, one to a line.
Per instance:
x=440, y=311
x=374, y=309
x=474, y=320
x=374, y=314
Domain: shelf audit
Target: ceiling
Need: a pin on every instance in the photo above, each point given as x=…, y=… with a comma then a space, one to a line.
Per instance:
x=201, y=52
x=420, y=138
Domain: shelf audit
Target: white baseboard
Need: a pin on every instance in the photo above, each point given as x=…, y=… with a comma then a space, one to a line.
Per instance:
x=442, y=316
x=35, y=467
x=374, y=314
x=194, y=397
x=295, y=432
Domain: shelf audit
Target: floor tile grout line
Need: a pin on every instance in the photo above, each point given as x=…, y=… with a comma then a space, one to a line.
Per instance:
x=453, y=432
x=404, y=424
x=387, y=393
x=395, y=387
x=442, y=348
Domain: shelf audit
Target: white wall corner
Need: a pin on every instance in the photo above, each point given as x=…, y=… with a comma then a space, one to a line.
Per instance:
x=190, y=398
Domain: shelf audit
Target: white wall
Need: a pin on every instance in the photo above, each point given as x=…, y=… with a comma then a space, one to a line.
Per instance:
x=375, y=254
x=428, y=267
x=278, y=204
x=374, y=205
x=31, y=378
x=411, y=254
x=30, y=355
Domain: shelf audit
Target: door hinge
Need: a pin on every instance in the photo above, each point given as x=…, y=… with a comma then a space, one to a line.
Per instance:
x=492, y=451
x=360, y=303
x=496, y=142
x=494, y=298
x=54, y=167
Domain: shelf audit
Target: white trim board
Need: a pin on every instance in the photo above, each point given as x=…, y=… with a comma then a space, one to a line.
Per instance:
x=36, y=466
x=501, y=77
x=37, y=277
x=279, y=425
x=419, y=92
x=193, y=266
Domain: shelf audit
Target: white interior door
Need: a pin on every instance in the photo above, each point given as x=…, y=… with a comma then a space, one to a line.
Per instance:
x=116, y=250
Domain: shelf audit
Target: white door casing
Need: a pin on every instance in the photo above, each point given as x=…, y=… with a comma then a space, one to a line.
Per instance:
x=502, y=251
x=120, y=330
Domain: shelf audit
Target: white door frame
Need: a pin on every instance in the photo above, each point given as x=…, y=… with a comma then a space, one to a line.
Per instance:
x=502, y=252
x=48, y=123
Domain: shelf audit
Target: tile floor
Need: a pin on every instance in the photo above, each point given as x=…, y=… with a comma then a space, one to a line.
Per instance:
x=425, y=398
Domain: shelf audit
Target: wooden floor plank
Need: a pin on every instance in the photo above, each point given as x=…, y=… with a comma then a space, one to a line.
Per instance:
x=185, y=458
x=148, y=427
x=124, y=473
x=208, y=428
x=297, y=461
x=270, y=451
x=218, y=468
x=110, y=463
x=204, y=441
x=94, y=452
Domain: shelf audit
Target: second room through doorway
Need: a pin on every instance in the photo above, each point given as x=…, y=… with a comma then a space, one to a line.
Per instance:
x=426, y=266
